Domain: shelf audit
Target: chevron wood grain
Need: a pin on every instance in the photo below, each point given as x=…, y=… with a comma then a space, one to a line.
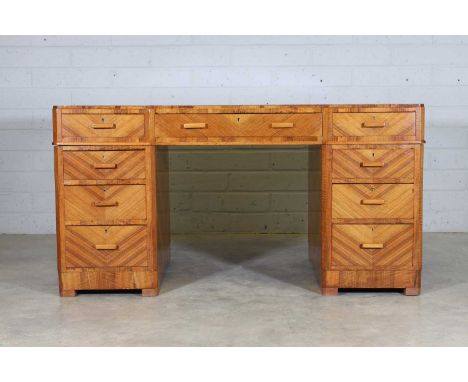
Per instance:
x=128, y=127
x=373, y=124
x=354, y=201
x=371, y=165
x=237, y=128
x=105, y=204
x=393, y=246
x=280, y=125
x=124, y=246
x=95, y=165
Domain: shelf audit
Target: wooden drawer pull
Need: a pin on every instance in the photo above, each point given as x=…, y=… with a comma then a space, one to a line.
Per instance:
x=371, y=245
x=372, y=202
x=103, y=126
x=197, y=125
x=282, y=125
x=106, y=204
x=106, y=246
x=373, y=126
x=100, y=166
x=372, y=164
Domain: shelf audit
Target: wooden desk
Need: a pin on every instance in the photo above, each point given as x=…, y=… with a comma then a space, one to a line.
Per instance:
x=112, y=189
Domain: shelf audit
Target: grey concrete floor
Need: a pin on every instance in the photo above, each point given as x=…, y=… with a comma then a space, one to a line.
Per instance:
x=235, y=290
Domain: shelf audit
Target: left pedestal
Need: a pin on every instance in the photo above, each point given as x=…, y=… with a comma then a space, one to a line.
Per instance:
x=112, y=208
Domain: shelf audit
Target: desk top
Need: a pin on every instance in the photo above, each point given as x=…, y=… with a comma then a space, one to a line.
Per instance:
x=301, y=108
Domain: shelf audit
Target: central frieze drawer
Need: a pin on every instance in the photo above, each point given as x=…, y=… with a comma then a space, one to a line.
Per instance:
x=238, y=125
x=104, y=204
x=378, y=246
x=372, y=201
x=362, y=165
x=103, y=164
x=108, y=246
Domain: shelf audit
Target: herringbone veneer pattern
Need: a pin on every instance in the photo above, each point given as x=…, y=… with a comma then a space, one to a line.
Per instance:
x=82, y=203
x=373, y=124
x=130, y=249
x=90, y=125
x=104, y=165
x=348, y=201
x=238, y=125
x=396, y=251
x=395, y=165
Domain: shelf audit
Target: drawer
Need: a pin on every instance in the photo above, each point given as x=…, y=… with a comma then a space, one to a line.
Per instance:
x=105, y=204
x=103, y=127
x=108, y=246
x=373, y=124
x=238, y=125
x=84, y=165
x=362, y=165
x=372, y=201
x=379, y=246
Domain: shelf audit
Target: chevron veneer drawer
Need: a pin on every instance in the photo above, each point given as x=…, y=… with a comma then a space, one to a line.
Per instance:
x=103, y=164
x=372, y=201
x=394, y=165
x=372, y=247
x=123, y=204
x=374, y=124
x=205, y=126
x=106, y=246
x=102, y=127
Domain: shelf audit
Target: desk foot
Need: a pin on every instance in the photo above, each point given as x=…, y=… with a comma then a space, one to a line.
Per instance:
x=329, y=291
x=412, y=291
x=149, y=292
x=68, y=293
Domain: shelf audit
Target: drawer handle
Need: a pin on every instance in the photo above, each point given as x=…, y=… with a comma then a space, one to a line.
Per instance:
x=99, y=166
x=371, y=245
x=372, y=164
x=104, y=247
x=372, y=202
x=197, y=125
x=373, y=126
x=106, y=204
x=103, y=126
x=282, y=125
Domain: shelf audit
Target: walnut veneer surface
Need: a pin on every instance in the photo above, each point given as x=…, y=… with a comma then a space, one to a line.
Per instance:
x=112, y=188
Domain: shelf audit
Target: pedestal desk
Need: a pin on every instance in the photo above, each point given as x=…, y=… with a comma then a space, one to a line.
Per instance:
x=112, y=188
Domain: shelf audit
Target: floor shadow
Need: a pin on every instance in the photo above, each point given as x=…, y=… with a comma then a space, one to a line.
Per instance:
x=281, y=257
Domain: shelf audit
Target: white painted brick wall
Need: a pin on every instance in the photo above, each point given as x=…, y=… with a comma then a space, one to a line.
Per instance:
x=230, y=189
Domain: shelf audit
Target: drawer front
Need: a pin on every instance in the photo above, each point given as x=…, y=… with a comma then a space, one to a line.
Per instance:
x=372, y=201
x=361, y=165
x=281, y=125
x=237, y=125
x=103, y=127
x=108, y=246
x=95, y=165
x=104, y=204
x=374, y=124
x=195, y=125
x=377, y=247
